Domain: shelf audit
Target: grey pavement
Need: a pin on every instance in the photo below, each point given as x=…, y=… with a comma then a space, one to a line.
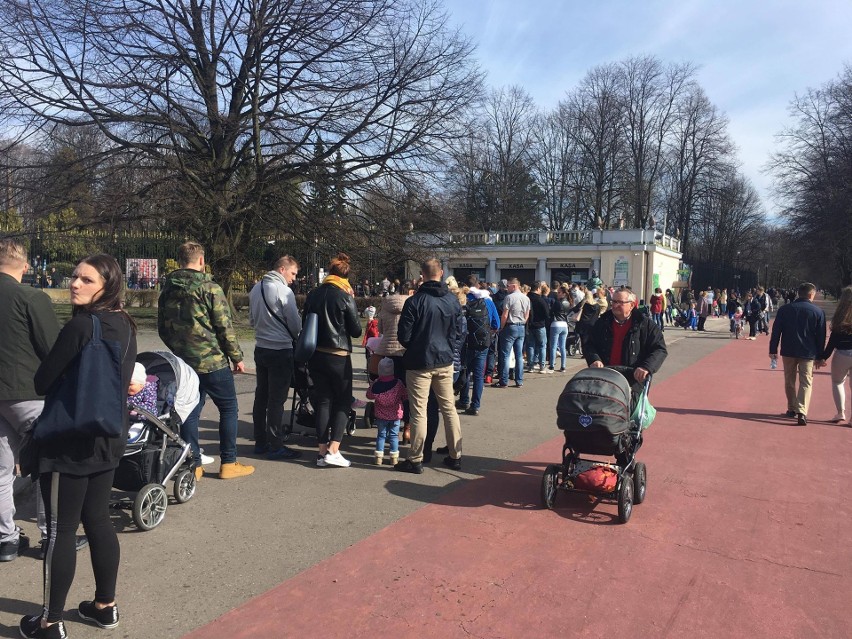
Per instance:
x=236, y=539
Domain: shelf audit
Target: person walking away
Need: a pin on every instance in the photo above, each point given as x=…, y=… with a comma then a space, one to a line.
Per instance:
x=765, y=310
x=29, y=329
x=751, y=312
x=800, y=328
x=658, y=303
x=194, y=321
x=388, y=393
x=76, y=471
x=276, y=322
x=587, y=314
x=492, y=361
x=539, y=316
x=516, y=312
x=840, y=344
x=482, y=321
x=703, y=310
x=429, y=331
x=330, y=366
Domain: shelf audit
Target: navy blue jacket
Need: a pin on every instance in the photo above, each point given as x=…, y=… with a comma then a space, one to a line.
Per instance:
x=430, y=327
x=800, y=326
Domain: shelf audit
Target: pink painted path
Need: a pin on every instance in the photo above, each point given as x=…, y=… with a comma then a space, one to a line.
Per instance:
x=744, y=533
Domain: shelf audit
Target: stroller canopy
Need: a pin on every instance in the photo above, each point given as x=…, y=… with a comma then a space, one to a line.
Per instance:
x=186, y=396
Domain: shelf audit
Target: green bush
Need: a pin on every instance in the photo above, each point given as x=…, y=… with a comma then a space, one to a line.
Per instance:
x=239, y=300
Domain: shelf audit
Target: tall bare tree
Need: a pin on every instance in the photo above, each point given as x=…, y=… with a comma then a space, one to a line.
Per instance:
x=224, y=100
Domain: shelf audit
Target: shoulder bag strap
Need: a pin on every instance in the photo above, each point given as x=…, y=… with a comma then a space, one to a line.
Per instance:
x=271, y=312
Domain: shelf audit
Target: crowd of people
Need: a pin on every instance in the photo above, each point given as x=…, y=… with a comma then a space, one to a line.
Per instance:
x=429, y=340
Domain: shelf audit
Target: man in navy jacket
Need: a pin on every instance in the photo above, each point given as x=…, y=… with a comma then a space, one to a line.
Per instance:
x=429, y=330
x=800, y=326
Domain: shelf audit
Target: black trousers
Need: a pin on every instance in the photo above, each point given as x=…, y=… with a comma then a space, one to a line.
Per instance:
x=274, y=373
x=69, y=500
x=331, y=395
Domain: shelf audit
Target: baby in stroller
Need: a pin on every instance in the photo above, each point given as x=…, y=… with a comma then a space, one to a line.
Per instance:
x=155, y=453
x=599, y=416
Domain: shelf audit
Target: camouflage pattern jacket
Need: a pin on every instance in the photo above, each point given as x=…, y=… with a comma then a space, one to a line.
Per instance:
x=194, y=321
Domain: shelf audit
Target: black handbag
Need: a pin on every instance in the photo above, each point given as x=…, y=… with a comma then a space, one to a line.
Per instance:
x=89, y=400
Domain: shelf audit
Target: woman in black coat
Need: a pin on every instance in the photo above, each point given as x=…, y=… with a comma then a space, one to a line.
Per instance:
x=751, y=311
x=330, y=366
x=76, y=471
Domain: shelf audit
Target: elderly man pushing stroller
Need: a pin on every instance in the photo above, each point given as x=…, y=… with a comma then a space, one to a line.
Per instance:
x=623, y=336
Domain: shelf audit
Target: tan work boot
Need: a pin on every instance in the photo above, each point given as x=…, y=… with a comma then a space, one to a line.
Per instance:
x=199, y=473
x=236, y=469
x=379, y=458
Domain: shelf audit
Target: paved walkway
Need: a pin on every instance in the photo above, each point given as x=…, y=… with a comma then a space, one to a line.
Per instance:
x=745, y=533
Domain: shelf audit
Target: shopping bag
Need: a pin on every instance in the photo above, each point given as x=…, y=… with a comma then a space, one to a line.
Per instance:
x=643, y=410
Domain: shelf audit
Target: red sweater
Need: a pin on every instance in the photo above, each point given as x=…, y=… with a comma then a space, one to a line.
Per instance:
x=619, y=331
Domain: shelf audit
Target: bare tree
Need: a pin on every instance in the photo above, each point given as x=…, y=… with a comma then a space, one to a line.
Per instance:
x=649, y=93
x=225, y=100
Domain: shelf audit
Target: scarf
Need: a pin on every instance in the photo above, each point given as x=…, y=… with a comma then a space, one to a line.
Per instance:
x=340, y=282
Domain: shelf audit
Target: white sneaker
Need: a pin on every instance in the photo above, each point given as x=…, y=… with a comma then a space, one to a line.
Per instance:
x=321, y=461
x=549, y=371
x=206, y=459
x=337, y=459
x=837, y=418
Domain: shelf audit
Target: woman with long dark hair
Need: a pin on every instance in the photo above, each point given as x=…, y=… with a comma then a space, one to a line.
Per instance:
x=330, y=366
x=840, y=344
x=76, y=471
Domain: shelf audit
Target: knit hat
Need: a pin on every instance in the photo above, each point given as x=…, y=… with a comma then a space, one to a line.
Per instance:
x=139, y=374
x=386, y=367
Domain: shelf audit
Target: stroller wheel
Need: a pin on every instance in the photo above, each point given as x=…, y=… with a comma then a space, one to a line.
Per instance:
x=572, y=349
x=185, y=485
x=549, y=483
x=625, y=498
x=149, y=507
x=350, y=424
x=369, y=412
x=640, y=481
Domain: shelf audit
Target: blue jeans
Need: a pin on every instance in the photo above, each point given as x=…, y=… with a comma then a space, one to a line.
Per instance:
x=388, y=429
x=475, y=362
x=512, y=339
x=536, y=347
x=558, y=337
x=219, y=385
x=658, y=320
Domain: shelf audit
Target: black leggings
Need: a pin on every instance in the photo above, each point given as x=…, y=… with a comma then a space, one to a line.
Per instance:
x=331, y=395
x=69, y=500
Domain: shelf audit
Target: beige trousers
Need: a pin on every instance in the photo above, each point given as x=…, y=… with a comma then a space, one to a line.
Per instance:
x=798, y=402
x=440, y=380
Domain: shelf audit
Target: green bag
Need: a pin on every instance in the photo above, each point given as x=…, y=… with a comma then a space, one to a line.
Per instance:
x=649, y=414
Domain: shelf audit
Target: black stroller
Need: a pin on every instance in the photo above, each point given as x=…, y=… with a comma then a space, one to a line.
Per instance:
x=301, y=412
x=155, y=453
x=594, y=413
x=573, y=343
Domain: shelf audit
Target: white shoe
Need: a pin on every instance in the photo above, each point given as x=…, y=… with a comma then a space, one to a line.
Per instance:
x=206, y=459
x=837, y=418
x=549, y=371
x=337, y=459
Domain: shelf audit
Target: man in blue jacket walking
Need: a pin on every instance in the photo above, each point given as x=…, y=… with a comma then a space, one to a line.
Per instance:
x=800, y=327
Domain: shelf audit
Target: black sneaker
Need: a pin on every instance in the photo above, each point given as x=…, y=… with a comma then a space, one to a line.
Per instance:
x=30, y=626
x=409, y=466
x=452, y=464
x=470, y=410
x=443, y=450
x=460, y=405
x=790, y=413
x=802, y=419
x=284, y=453
x=103, y=618
x=10, y=550
x=81, y=542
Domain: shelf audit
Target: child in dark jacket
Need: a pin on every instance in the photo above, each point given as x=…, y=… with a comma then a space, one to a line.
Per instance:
x=388, y=393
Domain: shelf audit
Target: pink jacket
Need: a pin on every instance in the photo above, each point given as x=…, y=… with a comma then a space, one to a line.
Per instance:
x=388, y=402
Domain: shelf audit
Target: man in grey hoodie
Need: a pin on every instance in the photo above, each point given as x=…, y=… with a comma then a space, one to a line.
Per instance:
x=277, y=324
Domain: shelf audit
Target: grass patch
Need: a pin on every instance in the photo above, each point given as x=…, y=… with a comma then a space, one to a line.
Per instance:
x=146, y=319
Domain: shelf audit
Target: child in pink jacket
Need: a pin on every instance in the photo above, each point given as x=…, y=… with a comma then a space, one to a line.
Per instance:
x=388, y=393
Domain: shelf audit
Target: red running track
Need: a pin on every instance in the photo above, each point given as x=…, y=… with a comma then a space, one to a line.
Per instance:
x=745, y=533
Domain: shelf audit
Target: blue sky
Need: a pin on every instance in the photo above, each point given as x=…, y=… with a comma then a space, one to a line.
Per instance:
x=753, y=56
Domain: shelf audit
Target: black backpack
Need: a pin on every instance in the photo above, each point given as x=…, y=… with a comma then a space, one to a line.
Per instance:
x=478, y=325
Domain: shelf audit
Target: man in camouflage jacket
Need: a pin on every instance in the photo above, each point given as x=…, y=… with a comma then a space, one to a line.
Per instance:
x=194, y=321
